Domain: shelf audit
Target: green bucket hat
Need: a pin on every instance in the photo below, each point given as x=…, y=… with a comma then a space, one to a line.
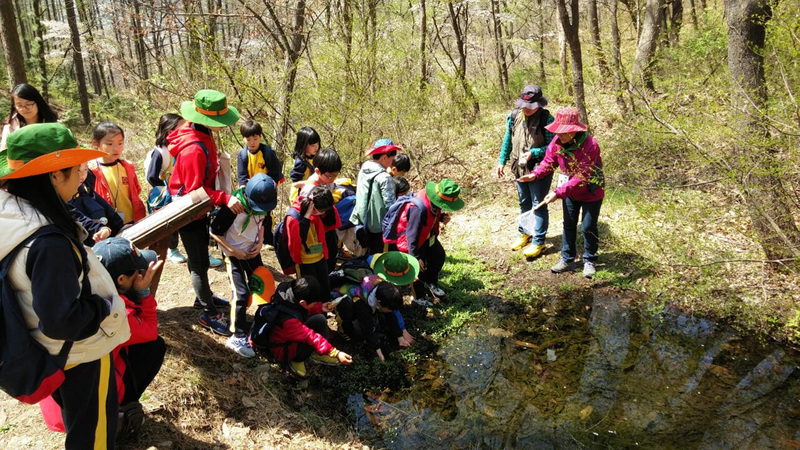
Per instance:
x=396, y=267
x=209, y=108
x=42, y=148
x=445, y=194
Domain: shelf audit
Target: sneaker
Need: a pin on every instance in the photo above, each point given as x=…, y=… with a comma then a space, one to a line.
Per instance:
x=522, y=240
x=269, y=247
x=421, y=302
x=219, y=302
x=217, y=324
x=131, y=417
x=588, y=269
x=296, y=368
x=214, y=262
x=326, y=360
x=562, y=266
x=175, y=256
x=533, y=250
x=240, y=346
x=435, y=290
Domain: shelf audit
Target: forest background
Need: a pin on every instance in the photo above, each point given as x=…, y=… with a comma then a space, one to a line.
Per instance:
x=694, y=105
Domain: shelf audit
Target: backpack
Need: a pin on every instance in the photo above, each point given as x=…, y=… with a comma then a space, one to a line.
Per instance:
x=392, y=216
x=208, y=165
x=280, y=239
x=28, y=372
x=267, y=317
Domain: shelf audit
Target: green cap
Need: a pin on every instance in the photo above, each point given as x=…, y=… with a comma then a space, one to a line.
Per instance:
x=209, y=108
x=444, y=194
x=396, y=267
x=42, y=148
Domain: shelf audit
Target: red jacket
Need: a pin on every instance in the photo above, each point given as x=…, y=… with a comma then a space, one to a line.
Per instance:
x=193, y=169
x=143, y=322
x=101, y=187
x=411, y=232
x=292, y=332
x=293, y=231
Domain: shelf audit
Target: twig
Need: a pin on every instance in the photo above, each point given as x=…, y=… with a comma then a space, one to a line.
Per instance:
x=723, y=261
x=683, y=186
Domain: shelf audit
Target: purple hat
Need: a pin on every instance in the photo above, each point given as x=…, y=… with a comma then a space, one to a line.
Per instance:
x=531, y=98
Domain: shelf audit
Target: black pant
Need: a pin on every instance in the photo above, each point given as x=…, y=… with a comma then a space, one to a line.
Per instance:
x=374, y=243
x=173, y=242
x=195, y=237
x=332, y=243
x=318, y=270
x=88, y=401
x=142, y=363
x=318, y=323
x=268, y=229
x=433, y=256
x=239, y=272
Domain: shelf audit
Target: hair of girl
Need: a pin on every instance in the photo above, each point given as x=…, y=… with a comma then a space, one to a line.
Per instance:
x=30, y=93
x=401, y=185
x=308, y=289
x=104, y=129
x=320, y=196
x=166, y=124
x=327, y=161
x=305, y=137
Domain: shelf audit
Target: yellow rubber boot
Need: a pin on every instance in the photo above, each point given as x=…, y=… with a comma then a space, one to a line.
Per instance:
x=533, y=250
x=521, y=241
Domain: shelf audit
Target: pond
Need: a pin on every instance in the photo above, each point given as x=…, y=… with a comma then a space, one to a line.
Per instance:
x=592, y=372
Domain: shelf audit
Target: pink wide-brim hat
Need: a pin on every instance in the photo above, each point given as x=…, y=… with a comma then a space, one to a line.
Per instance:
x=566, y=121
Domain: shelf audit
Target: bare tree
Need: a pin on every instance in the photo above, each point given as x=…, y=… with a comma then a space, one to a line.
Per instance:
x=40, y=49
x=563, y=62
x=594, y=27
x=542, y=74
x=760, y=182
x=675, y=21
x=500, y=48
x=77, y=57
x=15, y=62
x=569, y=22
x=616, y=61
x=423, y=42
x=648, y=41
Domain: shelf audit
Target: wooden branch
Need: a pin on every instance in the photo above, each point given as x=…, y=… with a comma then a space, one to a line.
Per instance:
x=169, y=219
x=723, y=261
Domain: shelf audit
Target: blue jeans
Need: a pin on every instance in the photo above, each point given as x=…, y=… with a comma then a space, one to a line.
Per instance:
x=530, y=194
x=591, y=212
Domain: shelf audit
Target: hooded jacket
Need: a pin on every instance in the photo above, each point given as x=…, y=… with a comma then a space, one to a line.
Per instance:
x=584, y=167
x=48, y=284
x=413, y=230
x=102, y=190
x=292, y=330
x=194, y=169
x=373, y=177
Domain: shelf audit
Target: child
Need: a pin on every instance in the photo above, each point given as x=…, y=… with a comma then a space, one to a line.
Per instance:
x=375, y=193
x=114, y=179
x=64, y=292
x=137, y=361
x=310, y=254
x=240, y=236
x=400, y=166
x=292, y=336
x=401, y=186
x=158, y=167
x=256, y=157
x=373, y=305
x=305, y=148
x=94, y=213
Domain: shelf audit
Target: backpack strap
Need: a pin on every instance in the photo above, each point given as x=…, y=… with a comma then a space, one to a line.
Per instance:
x=208, y=164
x=305, y=225
x=9, y=299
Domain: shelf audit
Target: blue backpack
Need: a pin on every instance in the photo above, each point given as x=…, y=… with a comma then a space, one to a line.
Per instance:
x=392, y=216
x=28, y=372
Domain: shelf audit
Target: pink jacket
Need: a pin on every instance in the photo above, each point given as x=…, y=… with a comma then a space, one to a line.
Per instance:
x=584, y=167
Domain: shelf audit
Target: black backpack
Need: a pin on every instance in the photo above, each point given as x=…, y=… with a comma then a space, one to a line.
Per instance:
x=267, y=317
x=28, y=372
x=393, y=216
x=280, y=240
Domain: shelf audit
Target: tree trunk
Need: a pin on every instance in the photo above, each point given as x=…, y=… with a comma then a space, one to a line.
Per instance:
x=542, y=73
x=39, y=49
x=675, y=22
x=15, y=63
x=645, y=52
x=594, y=26
x=23, y=29
x=616, y=64
x=693, y=13
x=77, y=57
x=563, y=63
x=459, y=19
x=138, y=38
x=500, y=50
x=423, y=52
x=571, y=33
x=95, y=69
x=760, y=181
x=293, y=54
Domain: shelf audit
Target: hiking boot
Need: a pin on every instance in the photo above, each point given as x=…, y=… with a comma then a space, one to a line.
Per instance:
x=131, y=417
x=175, y=256
x=214, y=262
x=297, y=369
x=219, y=302
x=326, y=360
x=217, y=324
x=435, y=290
x=533, y=250
x=562, y=266
x=522, y=240
x=240, y=346
x=588, y=269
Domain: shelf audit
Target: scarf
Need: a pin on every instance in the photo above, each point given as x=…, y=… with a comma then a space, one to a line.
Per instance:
x=569, y=150
x=239, y=194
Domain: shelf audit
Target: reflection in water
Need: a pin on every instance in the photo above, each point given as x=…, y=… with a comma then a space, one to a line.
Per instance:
x=618, y=379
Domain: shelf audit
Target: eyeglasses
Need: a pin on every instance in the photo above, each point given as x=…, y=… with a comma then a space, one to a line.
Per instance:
x=25, y=106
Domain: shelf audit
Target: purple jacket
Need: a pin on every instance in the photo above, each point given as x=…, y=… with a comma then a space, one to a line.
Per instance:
x=583, y=166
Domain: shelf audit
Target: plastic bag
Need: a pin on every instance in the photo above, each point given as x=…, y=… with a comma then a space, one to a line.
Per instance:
x=527, y=223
